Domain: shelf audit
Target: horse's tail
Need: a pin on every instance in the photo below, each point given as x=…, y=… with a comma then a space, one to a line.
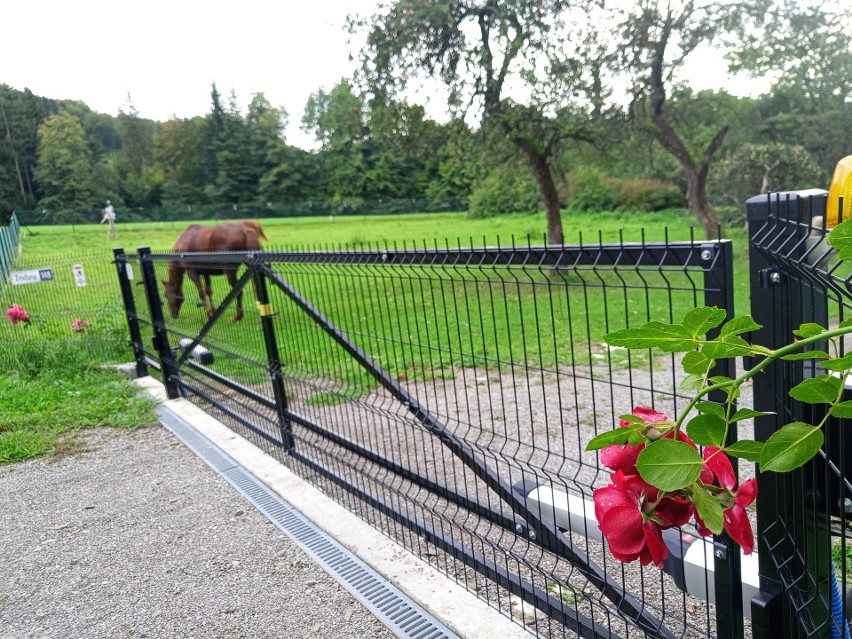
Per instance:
x=260, y=231
x=254, y=226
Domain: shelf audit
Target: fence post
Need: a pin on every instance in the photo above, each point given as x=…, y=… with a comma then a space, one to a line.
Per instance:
x=161, y=335
x=130, y=312
x=271, y=342
x=793, y=540
x=727, y=564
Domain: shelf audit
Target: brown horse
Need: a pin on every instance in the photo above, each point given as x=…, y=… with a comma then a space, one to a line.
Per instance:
x=228, y=236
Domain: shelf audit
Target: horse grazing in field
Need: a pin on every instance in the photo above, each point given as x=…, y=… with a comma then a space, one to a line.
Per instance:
x=228, y=236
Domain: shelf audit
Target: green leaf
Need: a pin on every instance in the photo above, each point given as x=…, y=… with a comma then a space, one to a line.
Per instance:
x=700, y=320
x=841, y=239
x=809, y=329
x=845, y=323
x=706, y=430
x=842, y=410
x=667, y=337
x=823, y=389
x=747, y=413
x=610, y=438
x=840, y=364
x=727, y=346
x=790, y=447
x=712, y=408
x=692, y=382
x=669, y=464
x=631, y=419
x=709, y=509
x=675, y=338
x=696, y=363
x=746, y=449
x=807, y=355
x=741, y=324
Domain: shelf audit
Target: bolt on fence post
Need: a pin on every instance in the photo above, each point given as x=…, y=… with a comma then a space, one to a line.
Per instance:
x=130, y=312
x=271, y=342
x=161, y=336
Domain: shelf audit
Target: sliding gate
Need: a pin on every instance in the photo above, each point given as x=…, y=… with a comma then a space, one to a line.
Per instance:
x=446, y=395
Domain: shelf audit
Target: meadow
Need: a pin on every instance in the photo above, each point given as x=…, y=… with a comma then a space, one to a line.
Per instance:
x=30, y=352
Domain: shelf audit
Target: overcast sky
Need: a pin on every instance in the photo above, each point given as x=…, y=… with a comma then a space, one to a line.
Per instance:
x=166, y=53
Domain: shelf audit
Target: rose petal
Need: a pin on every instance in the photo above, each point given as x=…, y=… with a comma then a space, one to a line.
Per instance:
x=746, y=493
x=720, y=464
x=738, y=526
x=622, y=528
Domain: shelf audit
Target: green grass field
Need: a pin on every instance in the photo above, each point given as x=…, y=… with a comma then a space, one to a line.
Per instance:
x=355, y=303
x=412, y=230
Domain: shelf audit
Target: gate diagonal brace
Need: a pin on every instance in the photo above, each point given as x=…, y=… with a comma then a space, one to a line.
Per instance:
x=543, y=533
x=238, y=288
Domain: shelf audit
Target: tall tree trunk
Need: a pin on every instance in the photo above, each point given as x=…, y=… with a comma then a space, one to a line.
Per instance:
x=547, y=187
x=696, y=174
x=696, y=199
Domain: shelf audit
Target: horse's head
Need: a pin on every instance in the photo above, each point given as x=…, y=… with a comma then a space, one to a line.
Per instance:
x=173, y=288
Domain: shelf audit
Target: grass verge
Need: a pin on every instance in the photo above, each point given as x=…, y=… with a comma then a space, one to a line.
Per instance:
x=48, y=394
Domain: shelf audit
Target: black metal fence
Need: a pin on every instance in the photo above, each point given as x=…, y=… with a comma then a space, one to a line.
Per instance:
x=73, y=303
x=446, y=395
x=804, y=516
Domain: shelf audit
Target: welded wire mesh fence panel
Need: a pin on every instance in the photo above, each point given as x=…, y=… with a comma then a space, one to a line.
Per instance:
x=803, y=516
x=72, y=298
x=427, y=390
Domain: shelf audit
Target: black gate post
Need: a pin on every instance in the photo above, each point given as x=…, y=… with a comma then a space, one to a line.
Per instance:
x=727, y=563
x=271, y=342
x=130, y=312
x=161, y=336
x=792, y=533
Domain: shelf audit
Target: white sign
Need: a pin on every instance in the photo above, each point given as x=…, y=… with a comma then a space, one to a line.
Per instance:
x=129, y=270
x=79, y=275
x=32, y=277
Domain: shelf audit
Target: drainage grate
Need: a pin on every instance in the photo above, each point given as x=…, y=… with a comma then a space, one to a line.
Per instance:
x=392, y=607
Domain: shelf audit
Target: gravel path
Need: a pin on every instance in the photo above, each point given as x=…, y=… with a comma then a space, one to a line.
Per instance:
x=131, y=535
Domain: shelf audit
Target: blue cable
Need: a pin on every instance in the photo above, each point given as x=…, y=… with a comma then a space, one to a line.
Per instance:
x=837, y=611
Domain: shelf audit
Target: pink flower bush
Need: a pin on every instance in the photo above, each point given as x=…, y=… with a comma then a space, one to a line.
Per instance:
x=79, y=326
x=17, y=314
x=632, y=513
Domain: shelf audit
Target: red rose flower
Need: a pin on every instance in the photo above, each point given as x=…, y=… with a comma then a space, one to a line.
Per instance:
x=737, y=523
x=630, y=533
x=623, y=456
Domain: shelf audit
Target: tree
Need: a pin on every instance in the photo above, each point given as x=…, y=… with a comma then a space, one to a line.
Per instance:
x=64, y=170
x=656, y=39
x=805, y=46
x=20, y=115
x=135, y=155
x=477, y=48
x=178, y=152
x=754, y=169
x=337, y=119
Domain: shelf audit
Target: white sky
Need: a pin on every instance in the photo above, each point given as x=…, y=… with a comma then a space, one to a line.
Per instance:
x=166, y=53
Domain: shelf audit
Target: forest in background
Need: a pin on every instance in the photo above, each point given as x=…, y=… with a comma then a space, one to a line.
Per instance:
x=573, y=144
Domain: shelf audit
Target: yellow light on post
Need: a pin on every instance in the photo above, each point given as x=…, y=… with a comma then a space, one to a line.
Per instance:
x=841, y=186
